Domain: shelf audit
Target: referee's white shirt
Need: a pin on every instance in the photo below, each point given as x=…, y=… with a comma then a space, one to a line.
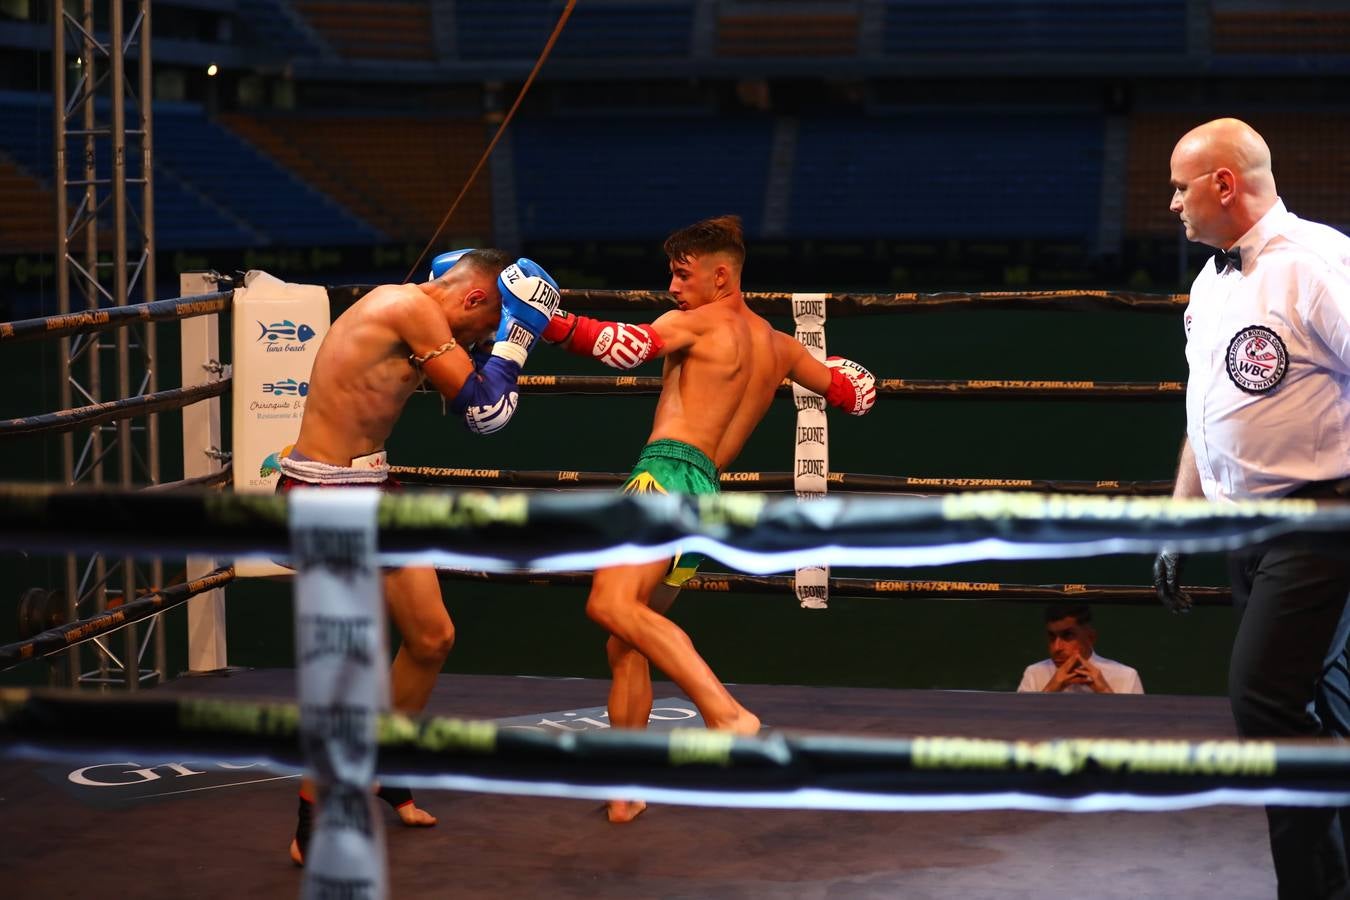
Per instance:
x=1268, y=400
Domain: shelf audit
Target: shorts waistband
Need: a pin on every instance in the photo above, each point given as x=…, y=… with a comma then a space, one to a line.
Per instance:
x=373, y=468
x=673, y=449
x=372, y=460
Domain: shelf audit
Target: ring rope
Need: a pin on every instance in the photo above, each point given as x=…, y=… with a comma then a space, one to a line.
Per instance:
x=94, y=321
x=63, y=637
x=965, y=388
x=112, y=410
x=692, y=765
x=755, y=533
x=435, y=476
x=212, y=479
x=109, y=317
x=852, y=304
x=765, y=302
x=736, y=582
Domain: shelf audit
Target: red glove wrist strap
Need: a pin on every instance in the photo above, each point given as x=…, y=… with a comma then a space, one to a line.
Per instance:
x=560, y=327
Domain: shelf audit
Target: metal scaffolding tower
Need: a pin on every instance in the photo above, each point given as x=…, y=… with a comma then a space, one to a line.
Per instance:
x=98, y=160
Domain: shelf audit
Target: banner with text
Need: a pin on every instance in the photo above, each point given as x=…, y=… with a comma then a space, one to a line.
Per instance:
x=811, y=457
x=278, y=327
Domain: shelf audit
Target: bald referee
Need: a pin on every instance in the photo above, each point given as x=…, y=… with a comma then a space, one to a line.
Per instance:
x=1268, y=415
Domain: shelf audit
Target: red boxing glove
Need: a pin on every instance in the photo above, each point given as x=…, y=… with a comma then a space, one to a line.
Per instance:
x=852, y=388
x=620, y=345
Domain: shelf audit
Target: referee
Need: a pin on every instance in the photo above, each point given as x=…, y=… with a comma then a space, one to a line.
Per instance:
x=1268, y=415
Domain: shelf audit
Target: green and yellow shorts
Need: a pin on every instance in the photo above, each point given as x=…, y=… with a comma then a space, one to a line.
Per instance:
x=674, y=467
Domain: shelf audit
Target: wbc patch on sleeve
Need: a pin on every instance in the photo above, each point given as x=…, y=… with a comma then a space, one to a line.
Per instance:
x=1257, y=359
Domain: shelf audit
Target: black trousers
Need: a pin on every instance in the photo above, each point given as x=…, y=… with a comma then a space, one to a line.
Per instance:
x=1289, y=677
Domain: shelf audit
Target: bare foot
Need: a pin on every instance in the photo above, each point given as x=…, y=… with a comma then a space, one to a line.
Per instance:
x=745, y=724
x=414, y=816
x=304, y=826
x=402, y=802
x=620, y=811
x=409, y=813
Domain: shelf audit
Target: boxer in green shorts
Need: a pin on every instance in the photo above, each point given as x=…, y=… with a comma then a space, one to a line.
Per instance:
x=668, y=466
x=723, y=364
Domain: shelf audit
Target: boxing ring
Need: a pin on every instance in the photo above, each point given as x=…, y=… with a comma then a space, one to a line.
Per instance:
x=807, y=809
x=205, y=377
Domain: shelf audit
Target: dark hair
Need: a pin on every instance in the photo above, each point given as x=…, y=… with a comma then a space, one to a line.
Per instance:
x=1079, y=611
x=488, y=260
x=717, y=235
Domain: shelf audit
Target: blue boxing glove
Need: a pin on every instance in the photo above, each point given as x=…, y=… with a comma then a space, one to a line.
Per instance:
x=446, y=261
x=529, y=300
x=489, y=396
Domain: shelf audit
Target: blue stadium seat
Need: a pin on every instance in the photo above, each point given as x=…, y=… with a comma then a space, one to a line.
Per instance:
x=518, y=29
x=1044, y=27
x=250, y=186
x=275, y=24
x=942, y=175
x=637, y=177
x=211, y=189
x=183, y=219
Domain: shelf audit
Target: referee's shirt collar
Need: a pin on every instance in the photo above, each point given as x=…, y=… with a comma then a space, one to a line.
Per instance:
x=1269, y=226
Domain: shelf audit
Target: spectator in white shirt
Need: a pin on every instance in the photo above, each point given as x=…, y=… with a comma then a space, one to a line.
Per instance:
x=1073, y=665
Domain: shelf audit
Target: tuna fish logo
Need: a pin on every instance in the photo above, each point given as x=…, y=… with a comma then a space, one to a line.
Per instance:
x=285, y=330
x=287, y=387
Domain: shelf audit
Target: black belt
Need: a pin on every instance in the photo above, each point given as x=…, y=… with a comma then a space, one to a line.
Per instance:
x=1334, y=489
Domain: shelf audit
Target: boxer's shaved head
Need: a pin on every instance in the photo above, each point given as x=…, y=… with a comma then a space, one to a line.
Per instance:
x=487, y=261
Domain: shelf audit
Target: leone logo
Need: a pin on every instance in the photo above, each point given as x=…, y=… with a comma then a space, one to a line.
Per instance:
x=520, y=336
x=814, y=467
x=1257, y=359
x=810, y=434
x=803, y=308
